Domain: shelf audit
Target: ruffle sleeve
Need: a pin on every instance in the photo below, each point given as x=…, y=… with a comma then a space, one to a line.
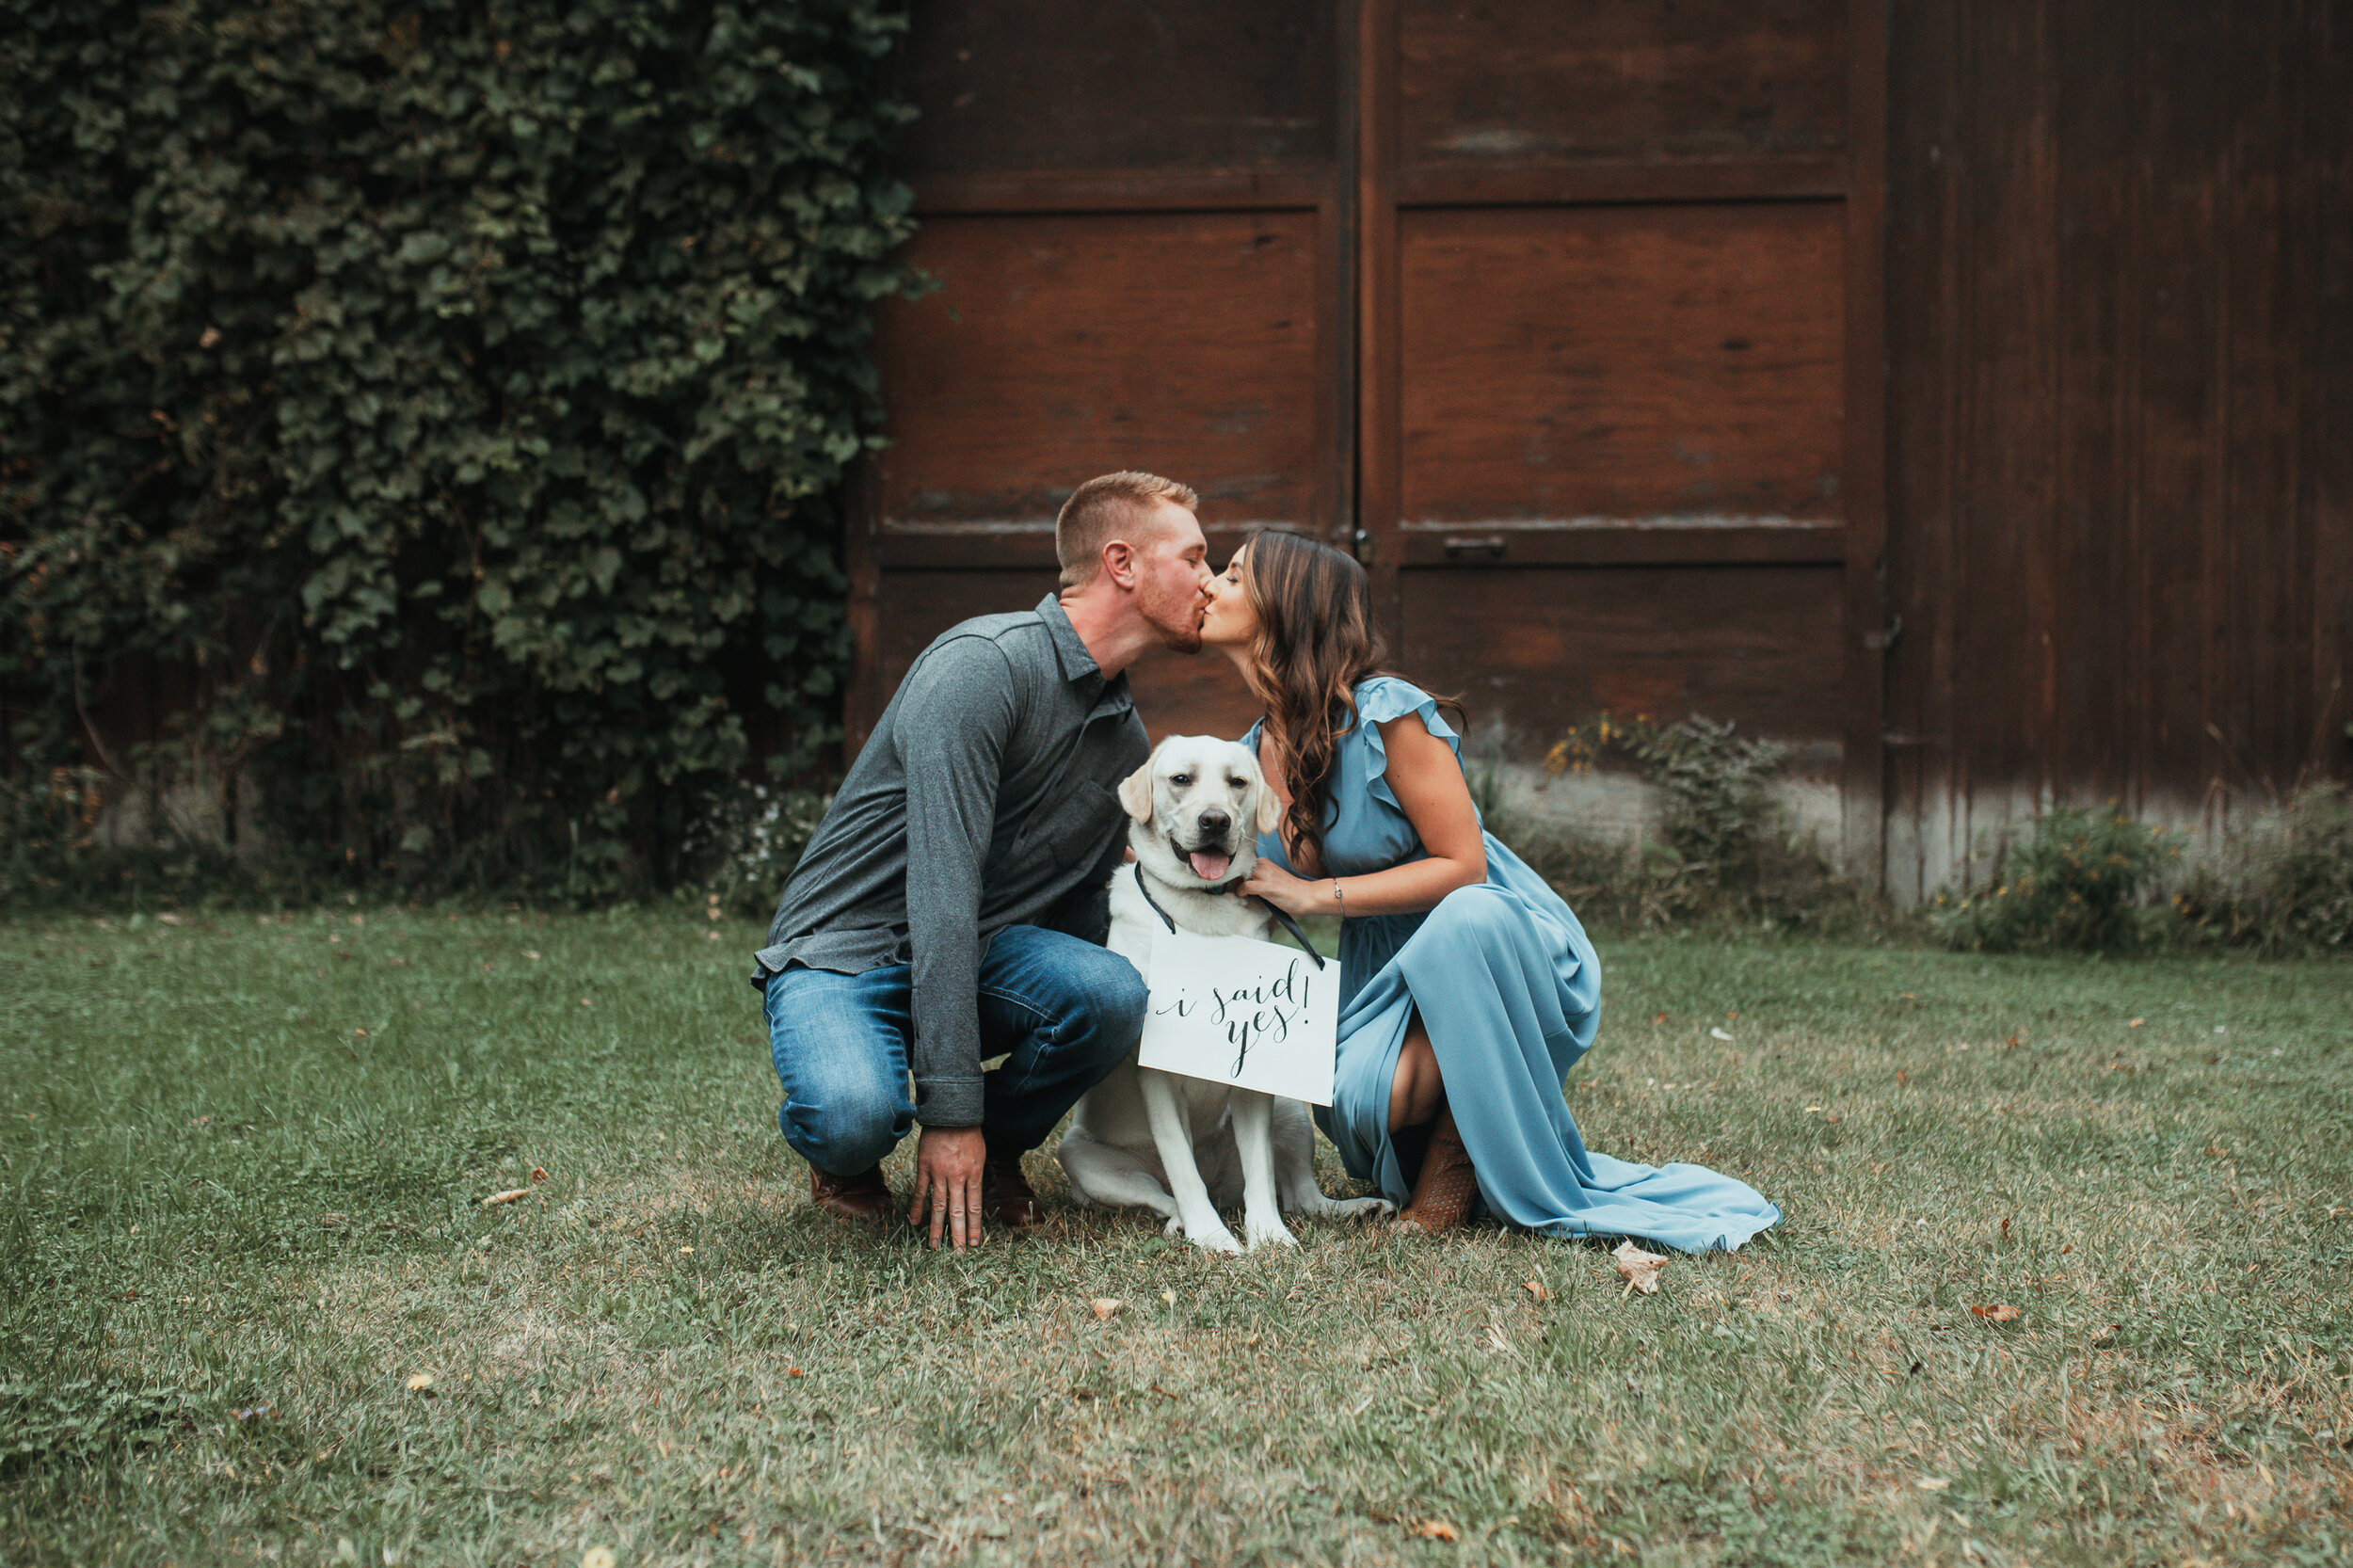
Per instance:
x=1385, y=697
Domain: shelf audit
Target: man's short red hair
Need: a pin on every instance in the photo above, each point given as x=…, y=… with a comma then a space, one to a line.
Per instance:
x=1100, y=510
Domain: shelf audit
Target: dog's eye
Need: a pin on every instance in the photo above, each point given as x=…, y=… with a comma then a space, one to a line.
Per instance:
x=1180, y=779
x=1237, y=783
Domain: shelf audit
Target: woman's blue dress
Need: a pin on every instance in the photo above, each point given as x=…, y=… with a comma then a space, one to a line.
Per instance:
x=1510, y=990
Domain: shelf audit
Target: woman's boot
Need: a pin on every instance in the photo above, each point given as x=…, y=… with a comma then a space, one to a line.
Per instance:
x=1446, y=1187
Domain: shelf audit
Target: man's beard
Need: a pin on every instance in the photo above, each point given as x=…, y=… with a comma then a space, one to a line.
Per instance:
x=1176, y=620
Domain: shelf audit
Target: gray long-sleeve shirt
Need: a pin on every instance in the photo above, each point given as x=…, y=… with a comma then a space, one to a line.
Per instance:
x=984, y=798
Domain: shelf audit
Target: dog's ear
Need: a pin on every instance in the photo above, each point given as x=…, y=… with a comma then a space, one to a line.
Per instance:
x=1270, y=809
x=1135, y=792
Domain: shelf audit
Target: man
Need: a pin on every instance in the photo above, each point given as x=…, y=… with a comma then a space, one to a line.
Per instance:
x=952, y=907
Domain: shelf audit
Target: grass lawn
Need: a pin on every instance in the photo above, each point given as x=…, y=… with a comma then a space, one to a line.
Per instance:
x=245, y=1158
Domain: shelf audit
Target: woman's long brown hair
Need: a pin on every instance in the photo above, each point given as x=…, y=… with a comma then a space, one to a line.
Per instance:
x=1316, y=641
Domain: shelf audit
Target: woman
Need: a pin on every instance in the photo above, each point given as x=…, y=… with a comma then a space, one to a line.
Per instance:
x=1472, y=988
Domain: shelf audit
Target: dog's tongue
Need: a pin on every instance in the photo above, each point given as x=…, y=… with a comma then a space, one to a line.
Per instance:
x=1208, y=865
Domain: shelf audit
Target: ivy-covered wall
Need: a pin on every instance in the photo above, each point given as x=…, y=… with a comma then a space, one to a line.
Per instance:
x=450, y=396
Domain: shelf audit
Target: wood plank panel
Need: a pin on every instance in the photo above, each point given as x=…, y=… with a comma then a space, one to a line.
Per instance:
x=1611, y=542
x=2094, y=131
x=1061, y=348
x=1770, y=177
x=2008, y=408
x=1490, y=81
x=2325, y=231
x=1862, y=790
x=1007, y=85
x=2263, y=714
x=1538, y=648
x=1926, y=346
x=1622, y=361
x=2177, y=482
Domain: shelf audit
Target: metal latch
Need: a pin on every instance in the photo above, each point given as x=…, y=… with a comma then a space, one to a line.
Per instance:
x=1488, y=547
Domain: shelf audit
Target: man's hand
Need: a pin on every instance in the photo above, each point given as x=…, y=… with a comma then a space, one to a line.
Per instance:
x=948, y=1164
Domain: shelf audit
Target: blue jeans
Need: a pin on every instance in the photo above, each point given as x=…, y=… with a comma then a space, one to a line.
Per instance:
x=1066, y=1010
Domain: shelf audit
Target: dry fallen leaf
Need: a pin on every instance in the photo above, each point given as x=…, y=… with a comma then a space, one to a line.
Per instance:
x=1661, y=1019
x=2001, y=1314
x=507, y=1196
x=2134, y=1023
x=1536, y=1289
x=1718, y=1035
x=538, y=1174
x=421, y=1382
x=597, y=1556
x=1108, y=1306
x=1435, y=1529
x=1639, y=1268
x=1931, y=1483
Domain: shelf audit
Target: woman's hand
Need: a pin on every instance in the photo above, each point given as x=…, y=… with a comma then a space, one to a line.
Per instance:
x=1292, y=895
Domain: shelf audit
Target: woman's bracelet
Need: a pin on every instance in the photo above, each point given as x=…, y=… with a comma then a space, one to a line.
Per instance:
x=1339, y=898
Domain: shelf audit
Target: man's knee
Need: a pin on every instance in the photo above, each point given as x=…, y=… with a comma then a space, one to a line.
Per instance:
x=846, y=1129
x=1108, y=991
x=846, y=1102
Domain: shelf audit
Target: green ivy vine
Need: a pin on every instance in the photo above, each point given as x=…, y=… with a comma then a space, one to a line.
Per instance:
x=442, y=401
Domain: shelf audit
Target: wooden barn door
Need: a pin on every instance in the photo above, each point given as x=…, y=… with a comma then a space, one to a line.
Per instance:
x=1564, y=316
x=1138, y=214
x=1619, y=393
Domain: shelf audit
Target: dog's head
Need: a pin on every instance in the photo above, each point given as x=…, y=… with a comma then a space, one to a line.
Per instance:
x=1199, y=804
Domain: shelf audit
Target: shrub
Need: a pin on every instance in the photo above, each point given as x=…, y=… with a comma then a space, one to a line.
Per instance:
x=1722, y=849
x=748, y=843
x=444, y=400
x=2076, y=878
x=2284, y=885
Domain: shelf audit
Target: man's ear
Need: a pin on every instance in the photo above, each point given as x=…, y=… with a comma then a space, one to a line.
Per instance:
x=1119, y=562
x=1135, y=792
x=1270, y=809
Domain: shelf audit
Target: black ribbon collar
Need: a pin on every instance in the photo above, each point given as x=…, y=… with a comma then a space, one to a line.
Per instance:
x=1169, y=921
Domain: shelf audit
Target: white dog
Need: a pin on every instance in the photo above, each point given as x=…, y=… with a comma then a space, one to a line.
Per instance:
x=1183, y=1147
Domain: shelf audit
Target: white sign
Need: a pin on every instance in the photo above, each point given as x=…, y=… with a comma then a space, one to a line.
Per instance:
x=1236, y=1010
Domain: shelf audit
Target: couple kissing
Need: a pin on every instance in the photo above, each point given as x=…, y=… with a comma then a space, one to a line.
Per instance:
x=953, y=905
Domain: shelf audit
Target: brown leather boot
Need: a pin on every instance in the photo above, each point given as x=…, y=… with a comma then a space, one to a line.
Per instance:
x=864, y=1197
x=1006, y=1195
x=1446, y=1187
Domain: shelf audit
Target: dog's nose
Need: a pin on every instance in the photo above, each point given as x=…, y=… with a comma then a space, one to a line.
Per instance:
x=1215, y=822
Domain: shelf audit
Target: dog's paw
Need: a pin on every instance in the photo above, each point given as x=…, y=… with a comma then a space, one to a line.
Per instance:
x=1276, y=1235
x=1364, y=1208
x=1220, y=1239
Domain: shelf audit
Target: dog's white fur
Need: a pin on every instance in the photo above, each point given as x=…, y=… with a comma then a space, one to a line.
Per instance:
x=1184, y=1147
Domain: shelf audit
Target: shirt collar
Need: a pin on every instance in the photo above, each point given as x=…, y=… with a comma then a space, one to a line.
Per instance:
x=1078, y=665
